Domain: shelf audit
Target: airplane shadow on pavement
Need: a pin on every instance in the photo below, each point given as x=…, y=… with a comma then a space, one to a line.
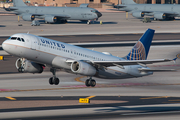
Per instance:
x=95, y=22
x=140, y=109
x=2, y=25
x=79, y=22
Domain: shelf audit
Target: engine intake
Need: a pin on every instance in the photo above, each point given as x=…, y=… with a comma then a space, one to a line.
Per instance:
x=28, y=17
x=138, y=14
x=51, y=19
x=24, y=65
x=83, y=68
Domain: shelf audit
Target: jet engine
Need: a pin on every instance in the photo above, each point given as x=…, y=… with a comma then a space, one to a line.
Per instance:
x=160, y=16
x=138, y=14
x=50, y=19
x=24, y=65
x=28, y=17
x=82, y=68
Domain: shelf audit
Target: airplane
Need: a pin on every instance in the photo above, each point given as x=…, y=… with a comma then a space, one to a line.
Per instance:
x=36, y=52
x=159, y=11
x=54, y=14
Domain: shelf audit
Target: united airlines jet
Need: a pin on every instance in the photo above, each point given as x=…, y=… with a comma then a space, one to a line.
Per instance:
x=36, y=52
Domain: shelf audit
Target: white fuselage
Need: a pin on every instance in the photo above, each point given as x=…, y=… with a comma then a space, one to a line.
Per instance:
x=154, y=8
x=44, y=51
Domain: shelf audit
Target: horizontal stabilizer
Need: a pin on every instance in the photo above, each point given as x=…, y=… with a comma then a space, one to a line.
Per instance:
x=10, y=8
x=155, y=70
x=115, y=9
x=84, y=5
x=120, y=6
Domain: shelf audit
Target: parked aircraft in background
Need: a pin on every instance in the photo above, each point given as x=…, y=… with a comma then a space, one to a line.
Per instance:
x=54, y=14
x=159, y=11
x=37, y=52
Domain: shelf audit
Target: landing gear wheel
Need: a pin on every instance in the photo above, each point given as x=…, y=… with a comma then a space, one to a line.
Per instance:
x=51, y=81
x=56, y=81
x=92, y=83
x=87, y=83
x=21, y=70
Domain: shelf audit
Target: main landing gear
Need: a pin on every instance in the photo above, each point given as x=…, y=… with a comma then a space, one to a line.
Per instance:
x=90, y=82
x=53, y=80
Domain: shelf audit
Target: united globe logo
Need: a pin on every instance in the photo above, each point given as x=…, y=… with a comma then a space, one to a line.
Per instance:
x=137, y=53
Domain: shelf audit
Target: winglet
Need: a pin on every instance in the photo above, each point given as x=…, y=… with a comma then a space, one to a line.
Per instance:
x=177, y=56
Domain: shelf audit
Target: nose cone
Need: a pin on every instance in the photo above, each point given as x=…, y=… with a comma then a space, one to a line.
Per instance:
x=4, y=46
x=99, y=14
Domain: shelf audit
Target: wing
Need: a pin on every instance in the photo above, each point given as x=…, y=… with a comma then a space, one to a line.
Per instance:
x=124, y=62
x=55, y=15
x=129, y=62
x=168, y=13
x=154, y=70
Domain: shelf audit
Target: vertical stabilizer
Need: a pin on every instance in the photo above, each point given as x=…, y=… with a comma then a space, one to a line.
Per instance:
x=126, y=2
x=141, y=48
x=19, y=3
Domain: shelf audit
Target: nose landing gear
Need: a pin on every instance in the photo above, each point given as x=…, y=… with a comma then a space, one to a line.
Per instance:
x=53, y=80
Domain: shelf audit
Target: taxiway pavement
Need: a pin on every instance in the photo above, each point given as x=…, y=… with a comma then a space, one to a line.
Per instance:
x=113, y=23
x=33, y=98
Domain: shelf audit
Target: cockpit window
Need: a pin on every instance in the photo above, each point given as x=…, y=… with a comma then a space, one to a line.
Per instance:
x=22, y=39
x=19, y=39
x=94, y=11
x=13, y=38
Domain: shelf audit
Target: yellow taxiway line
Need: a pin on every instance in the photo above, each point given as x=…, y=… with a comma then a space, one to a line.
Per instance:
x=90, y=97
x=155, y=97
x=11, y=98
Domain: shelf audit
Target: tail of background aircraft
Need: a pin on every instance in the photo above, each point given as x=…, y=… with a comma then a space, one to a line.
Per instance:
x=141, y=48
x=125, y=2
x=18, y=3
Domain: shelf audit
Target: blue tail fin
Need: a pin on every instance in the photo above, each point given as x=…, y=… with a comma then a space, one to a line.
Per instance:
x=141, y=48
x=19, y=3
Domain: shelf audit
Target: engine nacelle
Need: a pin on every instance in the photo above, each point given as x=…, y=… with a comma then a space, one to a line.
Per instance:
x=160, y=16
x=50, y=19
x=27, y=66
x=28, y=17
x=83, y=68
x=138, y=14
